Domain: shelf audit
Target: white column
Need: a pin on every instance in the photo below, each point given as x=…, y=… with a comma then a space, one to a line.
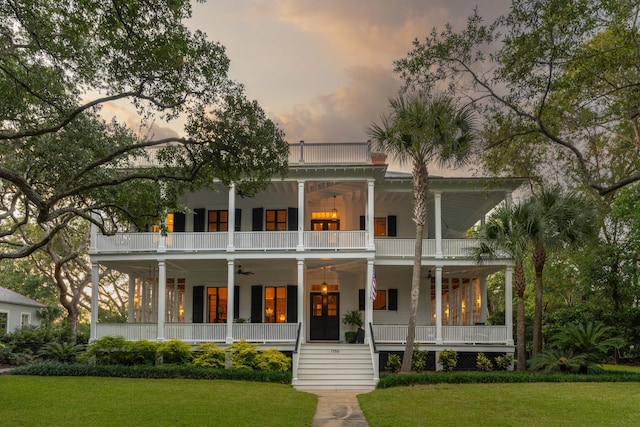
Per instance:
x=162, y=285
x=368, y=301
x=437, y=197
x=231, y=220
x=483, y=299
x=301, y=313
x=94, y=234
x=132, y=296
x=95, y=284
x=230, y=301
x=508, y=303
x=300, y=220
x=438, y=304
x=369, y=220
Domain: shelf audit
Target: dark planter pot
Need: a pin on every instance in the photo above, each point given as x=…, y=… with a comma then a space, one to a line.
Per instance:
x=360, y=336
x=350, y=336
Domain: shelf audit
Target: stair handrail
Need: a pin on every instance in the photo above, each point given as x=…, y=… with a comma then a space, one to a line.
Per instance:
x=375, y=360
x=295, y=349
x=372, y=339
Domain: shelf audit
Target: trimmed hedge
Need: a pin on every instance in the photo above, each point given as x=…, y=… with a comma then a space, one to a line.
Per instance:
x=146, y=371
x=395, y=380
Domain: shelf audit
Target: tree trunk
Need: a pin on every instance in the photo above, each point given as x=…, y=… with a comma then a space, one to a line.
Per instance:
x=539, y=259
x=520, y=329
x=420, y=194
x=415, y=297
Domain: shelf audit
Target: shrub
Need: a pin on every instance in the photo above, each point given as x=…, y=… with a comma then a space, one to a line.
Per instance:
x=419, y=359
x=142, y=352
x=448, y=359
x=63, y=352
x=209, y=355
x=146, y=371
x=483, y=363
x=175, y=352
x=112, y=350
x=393, y=363
x=243, y=355
x=273, y=360
x=504, y=362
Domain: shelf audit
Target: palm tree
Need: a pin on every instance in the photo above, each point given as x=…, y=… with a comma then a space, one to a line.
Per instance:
x=507, y=232
x=567, y=221
x=420, y=130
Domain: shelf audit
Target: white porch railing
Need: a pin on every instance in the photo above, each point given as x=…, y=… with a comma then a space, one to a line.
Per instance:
x=196, y=241
x=323, y=153
x=404, y=247
x=129, y=331
x=265, y=240
x=335, y=239
x=202, y=332
x=278, y=240
x=397, y=334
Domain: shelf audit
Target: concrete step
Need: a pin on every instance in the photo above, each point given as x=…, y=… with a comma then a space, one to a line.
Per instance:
x=334, y=366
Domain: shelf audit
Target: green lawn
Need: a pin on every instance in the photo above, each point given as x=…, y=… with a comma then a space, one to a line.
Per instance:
x=529, y=404
x=97, y=401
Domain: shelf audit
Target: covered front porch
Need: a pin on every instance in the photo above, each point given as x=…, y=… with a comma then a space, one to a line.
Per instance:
x=286, y=334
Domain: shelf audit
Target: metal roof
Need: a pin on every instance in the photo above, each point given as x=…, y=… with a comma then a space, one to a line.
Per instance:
x=12, y=297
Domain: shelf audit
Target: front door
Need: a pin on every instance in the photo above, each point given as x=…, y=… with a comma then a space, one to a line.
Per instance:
x=325, y=322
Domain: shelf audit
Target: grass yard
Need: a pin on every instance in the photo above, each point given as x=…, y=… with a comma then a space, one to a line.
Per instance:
x=529, y=404
x=98, y=401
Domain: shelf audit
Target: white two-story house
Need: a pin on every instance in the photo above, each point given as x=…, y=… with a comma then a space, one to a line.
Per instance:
x=282, y=268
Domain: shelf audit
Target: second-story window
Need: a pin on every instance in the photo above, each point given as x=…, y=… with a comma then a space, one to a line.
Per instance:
x=218, y=221
x=380, y=226
x=276, y=219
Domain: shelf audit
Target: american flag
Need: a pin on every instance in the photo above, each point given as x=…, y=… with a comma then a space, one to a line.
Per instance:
x=374, y=290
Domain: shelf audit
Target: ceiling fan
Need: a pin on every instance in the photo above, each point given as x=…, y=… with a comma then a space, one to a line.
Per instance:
x=245, y=272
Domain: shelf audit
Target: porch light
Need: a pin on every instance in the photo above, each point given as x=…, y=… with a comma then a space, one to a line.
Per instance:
x=324, y=288
x=334, y=211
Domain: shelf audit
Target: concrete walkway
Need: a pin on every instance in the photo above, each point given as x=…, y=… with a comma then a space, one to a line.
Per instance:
x=338, y=408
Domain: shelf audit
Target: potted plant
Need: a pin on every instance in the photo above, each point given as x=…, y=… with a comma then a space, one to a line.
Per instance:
x=354, y=320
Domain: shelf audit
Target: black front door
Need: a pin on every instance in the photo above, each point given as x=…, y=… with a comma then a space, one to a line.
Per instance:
x=325, y=322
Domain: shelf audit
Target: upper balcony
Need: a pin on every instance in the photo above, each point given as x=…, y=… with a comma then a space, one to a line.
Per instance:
x=277, y=241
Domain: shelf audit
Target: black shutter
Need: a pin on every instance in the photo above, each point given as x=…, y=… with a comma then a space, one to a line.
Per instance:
x=292, y=304
x=361, y=299
x=363, y=225
x=198, y=304
x=393, y=299
x=256, y=304
x=236, y=302
x=198, y=220
x=178, y=222
x=292, y=219
x=258, y=214
x=391, y=225
x=238, y=220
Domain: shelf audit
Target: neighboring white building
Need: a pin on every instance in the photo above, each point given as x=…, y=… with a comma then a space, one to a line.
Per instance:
x=291, y=261
x=17, y=311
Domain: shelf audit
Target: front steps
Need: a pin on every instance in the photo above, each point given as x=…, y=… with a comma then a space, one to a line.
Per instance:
x=334, y=367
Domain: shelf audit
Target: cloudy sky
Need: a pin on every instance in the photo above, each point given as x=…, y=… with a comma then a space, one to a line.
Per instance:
x=323, y=69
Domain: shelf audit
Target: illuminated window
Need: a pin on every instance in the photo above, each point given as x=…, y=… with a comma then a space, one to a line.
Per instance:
x=218, y=221
x=380, y=226
x=217, y=304
x=276, y=220
x=169, y=220
x=380, y=303
x=275, y=304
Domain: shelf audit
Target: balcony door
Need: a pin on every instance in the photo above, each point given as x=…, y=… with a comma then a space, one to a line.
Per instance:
x=325, y=322
x=325, y=224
